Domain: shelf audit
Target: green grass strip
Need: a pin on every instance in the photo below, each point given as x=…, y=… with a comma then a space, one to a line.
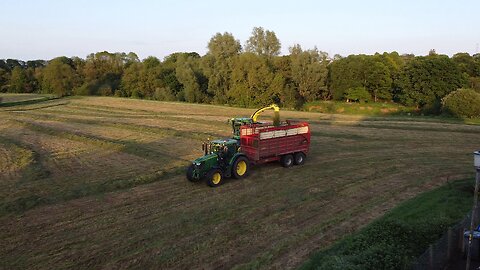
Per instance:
x=395, y=240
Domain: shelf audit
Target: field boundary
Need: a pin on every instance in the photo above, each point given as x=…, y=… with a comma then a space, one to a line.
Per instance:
x=26, y=102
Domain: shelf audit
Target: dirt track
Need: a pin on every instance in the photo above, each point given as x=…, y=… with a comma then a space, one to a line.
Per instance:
x=108, y=192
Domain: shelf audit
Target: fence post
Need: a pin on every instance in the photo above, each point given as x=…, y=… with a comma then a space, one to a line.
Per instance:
x=450, y=244
x=474, y=214
x=430, y=261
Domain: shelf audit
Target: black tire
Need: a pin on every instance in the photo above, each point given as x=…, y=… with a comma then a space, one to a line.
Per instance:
x=299, y=158
x=214, y=178
x=190, y=174
x=241, y=167
x=287, y=161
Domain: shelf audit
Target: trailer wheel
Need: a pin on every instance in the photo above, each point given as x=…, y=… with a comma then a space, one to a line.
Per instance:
x=241, y=167
x=214, y=178
x=287, y=161
x=299, y=158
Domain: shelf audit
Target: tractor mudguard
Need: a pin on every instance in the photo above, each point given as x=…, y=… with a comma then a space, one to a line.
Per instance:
x=228, y=170
x=232, y=160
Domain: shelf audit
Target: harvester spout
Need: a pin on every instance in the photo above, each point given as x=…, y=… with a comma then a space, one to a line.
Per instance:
x=276, y=115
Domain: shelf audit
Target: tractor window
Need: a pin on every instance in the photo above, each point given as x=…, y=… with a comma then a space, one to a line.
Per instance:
x=236, y=129
x=216, y=148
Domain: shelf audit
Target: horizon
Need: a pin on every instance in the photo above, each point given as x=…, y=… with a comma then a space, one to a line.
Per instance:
x=159, y=29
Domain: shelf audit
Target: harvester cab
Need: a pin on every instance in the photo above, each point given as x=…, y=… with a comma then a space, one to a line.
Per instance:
x=238, y=122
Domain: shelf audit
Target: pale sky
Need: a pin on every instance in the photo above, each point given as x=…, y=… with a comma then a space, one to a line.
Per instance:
x=44, y=29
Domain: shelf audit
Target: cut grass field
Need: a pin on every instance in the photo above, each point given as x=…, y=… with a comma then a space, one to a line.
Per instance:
x=97, y=182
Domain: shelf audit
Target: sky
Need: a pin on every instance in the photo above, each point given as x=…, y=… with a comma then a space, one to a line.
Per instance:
x=44, y=29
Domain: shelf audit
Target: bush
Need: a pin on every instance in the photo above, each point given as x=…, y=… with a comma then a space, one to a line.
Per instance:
x=119, y=93
x=136, y=94
x=105, y=90
x=84, y=90
x=462, y=103
x=358, y=94
x=164, y=93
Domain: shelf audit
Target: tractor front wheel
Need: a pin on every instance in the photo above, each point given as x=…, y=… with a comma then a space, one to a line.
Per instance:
x=240, y=167
x=190, y=174
x=214, y=178
x=287, y=161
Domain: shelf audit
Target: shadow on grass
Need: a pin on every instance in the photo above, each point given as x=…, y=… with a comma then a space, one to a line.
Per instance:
x=26, y=102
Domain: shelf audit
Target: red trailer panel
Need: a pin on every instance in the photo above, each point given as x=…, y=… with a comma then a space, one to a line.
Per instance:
x=265, y=142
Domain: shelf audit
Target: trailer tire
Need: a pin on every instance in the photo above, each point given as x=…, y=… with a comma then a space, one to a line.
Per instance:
x=286, y=161
x=299, y=158
x=241, y=167
x=190, y=174
x=214, y=177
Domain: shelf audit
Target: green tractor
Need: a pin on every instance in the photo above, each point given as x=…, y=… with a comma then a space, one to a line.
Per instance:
x=223, y=157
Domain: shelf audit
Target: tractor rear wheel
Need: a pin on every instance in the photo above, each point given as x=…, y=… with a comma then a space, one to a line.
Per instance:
x=240, y=168
x=286, y=161
x=214, y=178
x=299, y=158
x=190, y=174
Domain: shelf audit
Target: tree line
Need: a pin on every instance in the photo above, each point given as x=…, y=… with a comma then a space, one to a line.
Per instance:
x=254, y=74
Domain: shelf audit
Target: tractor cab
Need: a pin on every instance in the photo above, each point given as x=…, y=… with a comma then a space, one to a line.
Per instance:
x=224, y=147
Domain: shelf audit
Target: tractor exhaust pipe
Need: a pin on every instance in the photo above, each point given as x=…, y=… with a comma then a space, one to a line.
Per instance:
x=205, y=148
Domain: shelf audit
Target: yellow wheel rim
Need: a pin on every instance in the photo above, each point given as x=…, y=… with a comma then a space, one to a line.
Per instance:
x=216, y=178
x=241, y=167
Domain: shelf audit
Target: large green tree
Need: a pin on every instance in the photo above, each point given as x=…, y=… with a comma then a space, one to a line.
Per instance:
x=59, y=77
x=289, y=95
x=372, y=72
x=309, y=72
x=21, y=81
x=143, y=80
x=189, y=74
x=102, y=71
x=425, y=80
x=378, y=80
x=218, y=64
x=263, y=42
x=4, y=76
x=132, y=81
x=470, y=67
x=253, y=82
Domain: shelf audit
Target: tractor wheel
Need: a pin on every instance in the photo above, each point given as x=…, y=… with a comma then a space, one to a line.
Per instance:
x=240, y=168
x=299, y=158
x=287, y=161
x=190, y=174
x=214, y=178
